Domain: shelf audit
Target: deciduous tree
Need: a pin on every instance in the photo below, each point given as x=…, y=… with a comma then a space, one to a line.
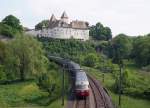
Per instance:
x=25, y=58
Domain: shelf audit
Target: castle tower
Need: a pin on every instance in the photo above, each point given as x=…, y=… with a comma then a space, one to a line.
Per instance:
x=64, y=17
x=52, y=18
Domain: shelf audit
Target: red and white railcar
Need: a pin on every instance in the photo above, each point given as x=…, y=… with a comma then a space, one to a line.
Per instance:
x=81, y=84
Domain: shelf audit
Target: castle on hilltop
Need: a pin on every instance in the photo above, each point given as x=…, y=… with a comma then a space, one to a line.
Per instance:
x=63, y=29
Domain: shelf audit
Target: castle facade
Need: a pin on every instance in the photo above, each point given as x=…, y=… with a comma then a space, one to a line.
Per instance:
x=63, y=29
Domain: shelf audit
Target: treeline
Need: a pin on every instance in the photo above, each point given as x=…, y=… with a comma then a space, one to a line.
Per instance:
x=131, y=48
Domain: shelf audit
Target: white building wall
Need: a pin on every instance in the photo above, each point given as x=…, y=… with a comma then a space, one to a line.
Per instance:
x=33, y=32
x=62, y=33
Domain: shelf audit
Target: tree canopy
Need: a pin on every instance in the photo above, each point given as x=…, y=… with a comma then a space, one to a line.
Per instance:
x=10, y=26
x=90, y=60
x=12, y=21
x=141, y=50
x=25, y=57
x=42, y=24
x=99, y=32
x=122, y=47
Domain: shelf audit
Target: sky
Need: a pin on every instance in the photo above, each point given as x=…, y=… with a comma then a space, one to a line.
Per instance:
x=131, y=17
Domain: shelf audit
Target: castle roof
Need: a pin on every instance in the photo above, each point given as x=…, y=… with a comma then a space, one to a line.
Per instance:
x=79, y=24
x=53, y=18
x=64, y=15
x=60, y=23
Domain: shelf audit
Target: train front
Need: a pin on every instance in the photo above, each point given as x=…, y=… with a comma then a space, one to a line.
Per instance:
x=81, y=85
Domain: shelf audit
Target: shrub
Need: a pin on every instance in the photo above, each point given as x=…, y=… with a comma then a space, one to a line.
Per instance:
x=30, y=92
x=90, y=60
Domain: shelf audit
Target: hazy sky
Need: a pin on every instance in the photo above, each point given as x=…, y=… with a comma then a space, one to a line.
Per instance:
x=131, y=17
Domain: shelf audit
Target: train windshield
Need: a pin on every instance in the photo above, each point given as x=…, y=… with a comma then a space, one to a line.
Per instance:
x=81, y=86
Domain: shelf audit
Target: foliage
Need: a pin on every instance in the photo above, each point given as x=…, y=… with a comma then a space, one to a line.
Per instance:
x=30, y=92
x=71, y=49
x=141, y=50
x=25, y=57
x=3, y=52
x=122, y=47
x=50, y=81
x=13, y=22
x=40, y=25
x=2, y=56
x=90, y=60
x=133, y=84
x=7, y=30
x=99, y=32
x=10, y=26
x=2, y=73
x=21, y=94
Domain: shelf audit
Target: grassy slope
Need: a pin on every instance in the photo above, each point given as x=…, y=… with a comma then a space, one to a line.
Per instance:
x=128, y=102
x=25, y=94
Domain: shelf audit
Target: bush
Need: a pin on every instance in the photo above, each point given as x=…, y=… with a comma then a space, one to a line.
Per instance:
x=91, y=60
x=30, y=92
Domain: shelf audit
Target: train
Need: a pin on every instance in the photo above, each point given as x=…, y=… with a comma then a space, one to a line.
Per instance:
x=81, y=83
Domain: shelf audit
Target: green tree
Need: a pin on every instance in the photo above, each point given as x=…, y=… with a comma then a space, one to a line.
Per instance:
x=122, y=47
x=25, y=57
x=141, y=50
x=99, y=32
x=90, y=60
x=44, y=23
x=13, y=22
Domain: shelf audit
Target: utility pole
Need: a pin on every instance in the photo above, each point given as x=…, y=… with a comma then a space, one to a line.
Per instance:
x=120, y=83
x=120, y=78
x=120, y=63
x=103, y=75
x=103, y=70
x=63, y=84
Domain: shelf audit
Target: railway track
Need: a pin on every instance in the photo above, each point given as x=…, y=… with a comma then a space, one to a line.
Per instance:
x=98, y=96
x=101, y=98
x=78, y=103
x=82, y=103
